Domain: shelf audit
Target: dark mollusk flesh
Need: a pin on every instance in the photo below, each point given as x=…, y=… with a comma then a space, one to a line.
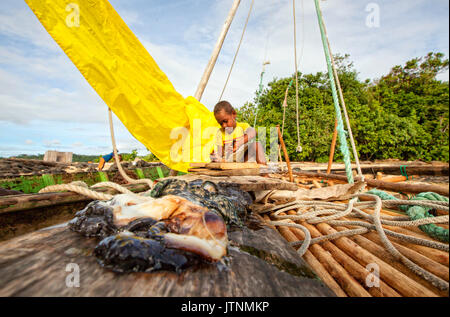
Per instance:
x=170, y=232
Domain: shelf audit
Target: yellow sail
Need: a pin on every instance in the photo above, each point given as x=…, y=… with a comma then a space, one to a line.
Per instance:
x=126, y=77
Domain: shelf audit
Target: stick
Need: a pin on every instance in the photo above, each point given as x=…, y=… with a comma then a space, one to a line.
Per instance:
x=379, y=251
x=397, y=280
x=345, y=280
x=286, y=156
x=353, y=267
x=397, y=187
x=316, y=265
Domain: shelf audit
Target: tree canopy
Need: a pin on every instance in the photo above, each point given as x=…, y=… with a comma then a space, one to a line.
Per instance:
x=403, y=115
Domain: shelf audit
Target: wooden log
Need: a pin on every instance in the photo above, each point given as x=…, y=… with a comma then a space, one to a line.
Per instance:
x=231, y=165
x=397, y=280
x=393, y=179
x=231, y=172
x=316, y=184
x=262, y=265
x=32, y=161
x=246, y=183
x=397, y=187
x=315, y=264
x=344, y=279
x=379, y=251
x=197, y=165
x=434, y=254
x=286, y=156
x=441, y=169
x=31, y=201
x=428, y=264
x=352, y=266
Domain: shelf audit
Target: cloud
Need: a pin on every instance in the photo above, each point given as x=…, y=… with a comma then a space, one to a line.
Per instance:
x=77, y=144
x=29, y=142
x=52, y=143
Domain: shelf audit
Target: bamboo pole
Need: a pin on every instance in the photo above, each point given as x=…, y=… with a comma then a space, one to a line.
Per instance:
x=286, y=156
x=434, y=267
x=397, y=187
x=312, y=261
x=332, y=147
x=380, y=252
x=344, y=279
x=393, y=179
x=374, y=246
x=352, y=266
x=439, y=256
x=434, y=254
x=212, y=61
x=397, y=280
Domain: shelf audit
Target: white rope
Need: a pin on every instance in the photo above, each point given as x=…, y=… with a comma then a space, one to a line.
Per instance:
x=299, y=147
x=116, y=157
x=237, y=50
x=341, y=97
x=375, y=223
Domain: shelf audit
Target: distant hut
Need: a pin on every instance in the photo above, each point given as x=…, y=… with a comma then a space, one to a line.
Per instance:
x=60, y=157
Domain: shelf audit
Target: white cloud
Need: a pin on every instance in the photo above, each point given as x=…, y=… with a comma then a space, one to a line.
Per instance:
x=23, y=24
x=29, y=142
x=77, y=144
x=52, y=143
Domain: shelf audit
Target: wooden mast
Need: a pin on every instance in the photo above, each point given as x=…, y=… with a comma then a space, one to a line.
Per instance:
x=212, y=61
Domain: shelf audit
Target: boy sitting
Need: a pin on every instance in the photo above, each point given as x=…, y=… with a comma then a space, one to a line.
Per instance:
x=235, y=140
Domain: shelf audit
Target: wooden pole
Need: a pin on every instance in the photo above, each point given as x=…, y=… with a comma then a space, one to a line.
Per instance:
x=333, y=146
x=394, y=278
x=313, y=262
x=353, y=267
x=286, y=156
x=212, y=61
x=428, y=264
x=338, y=272
x=377, y=250
x=397, y=187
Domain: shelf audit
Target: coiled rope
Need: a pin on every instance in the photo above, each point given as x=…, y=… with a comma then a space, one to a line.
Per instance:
x=314, y=212
x=417, y=210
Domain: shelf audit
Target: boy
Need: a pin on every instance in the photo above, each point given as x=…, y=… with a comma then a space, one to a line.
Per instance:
x=235, y=140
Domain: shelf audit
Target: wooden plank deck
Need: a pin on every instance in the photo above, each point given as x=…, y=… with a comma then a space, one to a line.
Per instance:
x=261, y=264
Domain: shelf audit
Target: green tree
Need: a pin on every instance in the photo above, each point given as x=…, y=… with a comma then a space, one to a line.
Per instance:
x=401, y=115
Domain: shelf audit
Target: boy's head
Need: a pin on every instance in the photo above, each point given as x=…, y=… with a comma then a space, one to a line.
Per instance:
x=225, y=115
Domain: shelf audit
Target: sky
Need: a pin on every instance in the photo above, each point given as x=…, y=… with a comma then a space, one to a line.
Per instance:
x=46, y=104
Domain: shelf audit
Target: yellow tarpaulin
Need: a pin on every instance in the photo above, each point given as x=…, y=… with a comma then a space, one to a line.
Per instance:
x=127, y=78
